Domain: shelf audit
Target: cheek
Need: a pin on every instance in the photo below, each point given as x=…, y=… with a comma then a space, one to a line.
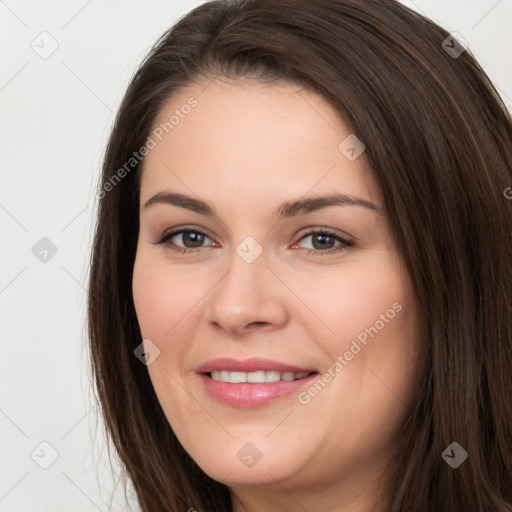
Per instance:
x=373, y=367
x=150, y=297
x=163, y=297
x=369, y=320
x=346, y=301
x=163, y=302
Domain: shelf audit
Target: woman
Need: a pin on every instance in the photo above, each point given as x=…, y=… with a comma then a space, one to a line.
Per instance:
x=300, y=285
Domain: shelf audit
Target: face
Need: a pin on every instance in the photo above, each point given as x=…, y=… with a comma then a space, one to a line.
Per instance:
x=282, y=339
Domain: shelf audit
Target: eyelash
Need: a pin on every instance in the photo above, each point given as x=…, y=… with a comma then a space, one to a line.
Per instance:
x=344, y=244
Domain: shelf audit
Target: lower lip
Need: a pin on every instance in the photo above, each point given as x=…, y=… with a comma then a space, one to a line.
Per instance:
x=252, y=395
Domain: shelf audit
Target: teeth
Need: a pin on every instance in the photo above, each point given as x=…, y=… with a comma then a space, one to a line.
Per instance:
x=256, y=377
x=237, y=377
x=272, y=376
x=260, y=376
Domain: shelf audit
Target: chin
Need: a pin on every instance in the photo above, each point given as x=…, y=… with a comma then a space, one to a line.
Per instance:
x=260, y=474
x=243, y=463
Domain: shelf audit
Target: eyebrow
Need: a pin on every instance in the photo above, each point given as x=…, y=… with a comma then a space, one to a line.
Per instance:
x=287, y=209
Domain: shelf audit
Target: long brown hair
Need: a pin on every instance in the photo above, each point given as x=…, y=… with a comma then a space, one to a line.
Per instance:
x=439, y=141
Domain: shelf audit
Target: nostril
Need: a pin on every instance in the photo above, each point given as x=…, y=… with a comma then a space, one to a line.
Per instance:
x=257, y=323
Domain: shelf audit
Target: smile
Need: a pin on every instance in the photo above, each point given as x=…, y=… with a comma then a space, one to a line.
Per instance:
x=252, y=382
x=257, y=377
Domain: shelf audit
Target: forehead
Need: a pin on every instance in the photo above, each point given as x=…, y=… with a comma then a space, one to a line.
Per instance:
x=251, y=141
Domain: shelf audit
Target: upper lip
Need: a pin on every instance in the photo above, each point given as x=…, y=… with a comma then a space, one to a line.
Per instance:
x=248, y=365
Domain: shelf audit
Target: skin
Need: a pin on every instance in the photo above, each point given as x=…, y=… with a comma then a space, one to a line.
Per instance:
x=245, y=149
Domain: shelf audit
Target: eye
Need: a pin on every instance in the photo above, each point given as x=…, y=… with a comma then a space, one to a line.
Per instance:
x=322, y=241
x=194, y=238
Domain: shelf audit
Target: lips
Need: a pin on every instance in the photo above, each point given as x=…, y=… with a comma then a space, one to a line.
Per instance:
x=252, y=392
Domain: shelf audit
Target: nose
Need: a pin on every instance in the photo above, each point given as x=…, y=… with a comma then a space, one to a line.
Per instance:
x=248, y=297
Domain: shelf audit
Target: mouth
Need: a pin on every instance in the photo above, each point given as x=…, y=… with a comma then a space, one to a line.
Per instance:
x=252, y=382
x=256, y=377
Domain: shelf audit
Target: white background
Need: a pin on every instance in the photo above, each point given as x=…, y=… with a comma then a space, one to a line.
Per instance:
x=56, y=117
